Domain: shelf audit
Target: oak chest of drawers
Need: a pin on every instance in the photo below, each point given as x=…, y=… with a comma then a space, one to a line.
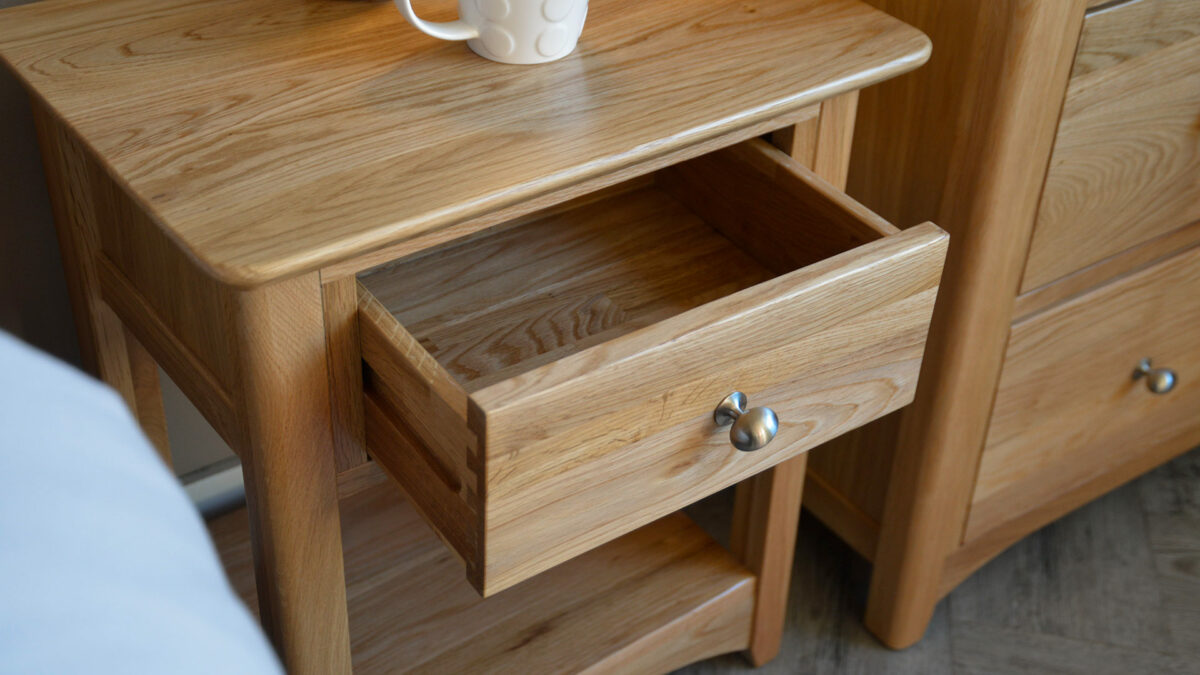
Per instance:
x=1063, y=138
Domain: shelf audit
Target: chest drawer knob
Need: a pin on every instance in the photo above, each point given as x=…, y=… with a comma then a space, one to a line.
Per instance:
x=752, y=429
x=1158, y=380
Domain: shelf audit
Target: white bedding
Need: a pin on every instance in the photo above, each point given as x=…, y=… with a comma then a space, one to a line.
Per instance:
x=105, y=567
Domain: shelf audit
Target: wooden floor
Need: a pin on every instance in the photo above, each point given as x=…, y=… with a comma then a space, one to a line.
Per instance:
x=1111, y=588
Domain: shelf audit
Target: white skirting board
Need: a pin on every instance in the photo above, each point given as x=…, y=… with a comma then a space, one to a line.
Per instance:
x=217, y=488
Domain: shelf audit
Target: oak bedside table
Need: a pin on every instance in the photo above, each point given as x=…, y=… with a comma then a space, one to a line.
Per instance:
x=382, y=266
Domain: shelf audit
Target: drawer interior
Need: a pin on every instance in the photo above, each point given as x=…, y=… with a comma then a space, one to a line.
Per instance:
x=532, y=291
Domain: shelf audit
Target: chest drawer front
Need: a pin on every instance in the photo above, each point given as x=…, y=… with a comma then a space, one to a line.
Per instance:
x=550, y=386
x=1126, y=162
x=1068, y=409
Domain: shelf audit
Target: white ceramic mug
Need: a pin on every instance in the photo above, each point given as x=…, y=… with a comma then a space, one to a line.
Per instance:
x=510, y=31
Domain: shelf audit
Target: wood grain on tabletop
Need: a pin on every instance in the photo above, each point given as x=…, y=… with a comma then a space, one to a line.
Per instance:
x=410, y=608
x=1127, y=156
x=529, y=367
x=280, y=137
x=563, y=198
x=1001, y=72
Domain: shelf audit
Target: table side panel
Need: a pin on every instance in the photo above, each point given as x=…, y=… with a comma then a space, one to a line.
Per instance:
x=190, y=303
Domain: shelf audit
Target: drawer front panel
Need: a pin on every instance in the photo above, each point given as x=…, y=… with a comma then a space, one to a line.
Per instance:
x=566, y=428
x=636, y=441
x=1068, y=410
x=1126, y=163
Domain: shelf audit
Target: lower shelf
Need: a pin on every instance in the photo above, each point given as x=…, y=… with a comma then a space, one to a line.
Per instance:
x=654, y=600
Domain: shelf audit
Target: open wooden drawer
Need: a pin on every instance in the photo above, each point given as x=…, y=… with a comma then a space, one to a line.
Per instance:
x=549, y=385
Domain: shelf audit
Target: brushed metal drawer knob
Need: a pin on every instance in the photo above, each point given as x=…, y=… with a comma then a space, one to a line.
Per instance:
x=752, y=429
x=1158, y=380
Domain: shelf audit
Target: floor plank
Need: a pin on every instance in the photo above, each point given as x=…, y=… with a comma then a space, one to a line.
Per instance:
x=824, y=632
x=1112, y=588
x=1088, y=576
x=1171, y=502
x=983, y=649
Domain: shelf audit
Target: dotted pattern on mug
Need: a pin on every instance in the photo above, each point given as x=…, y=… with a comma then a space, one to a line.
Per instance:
x=552, y=40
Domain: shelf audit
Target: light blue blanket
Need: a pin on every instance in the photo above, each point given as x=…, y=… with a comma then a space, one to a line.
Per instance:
x=105, y=567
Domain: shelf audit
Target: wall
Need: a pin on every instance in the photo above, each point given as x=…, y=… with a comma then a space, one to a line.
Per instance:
x=33, y=295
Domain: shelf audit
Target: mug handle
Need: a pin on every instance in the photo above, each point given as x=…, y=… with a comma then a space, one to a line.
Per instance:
x=445, y=30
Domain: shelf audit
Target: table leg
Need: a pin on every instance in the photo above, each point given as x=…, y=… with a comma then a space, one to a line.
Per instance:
x=288, y=463
x=765, y=517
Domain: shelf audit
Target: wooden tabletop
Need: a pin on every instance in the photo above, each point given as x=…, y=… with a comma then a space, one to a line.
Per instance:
x=274, y=137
